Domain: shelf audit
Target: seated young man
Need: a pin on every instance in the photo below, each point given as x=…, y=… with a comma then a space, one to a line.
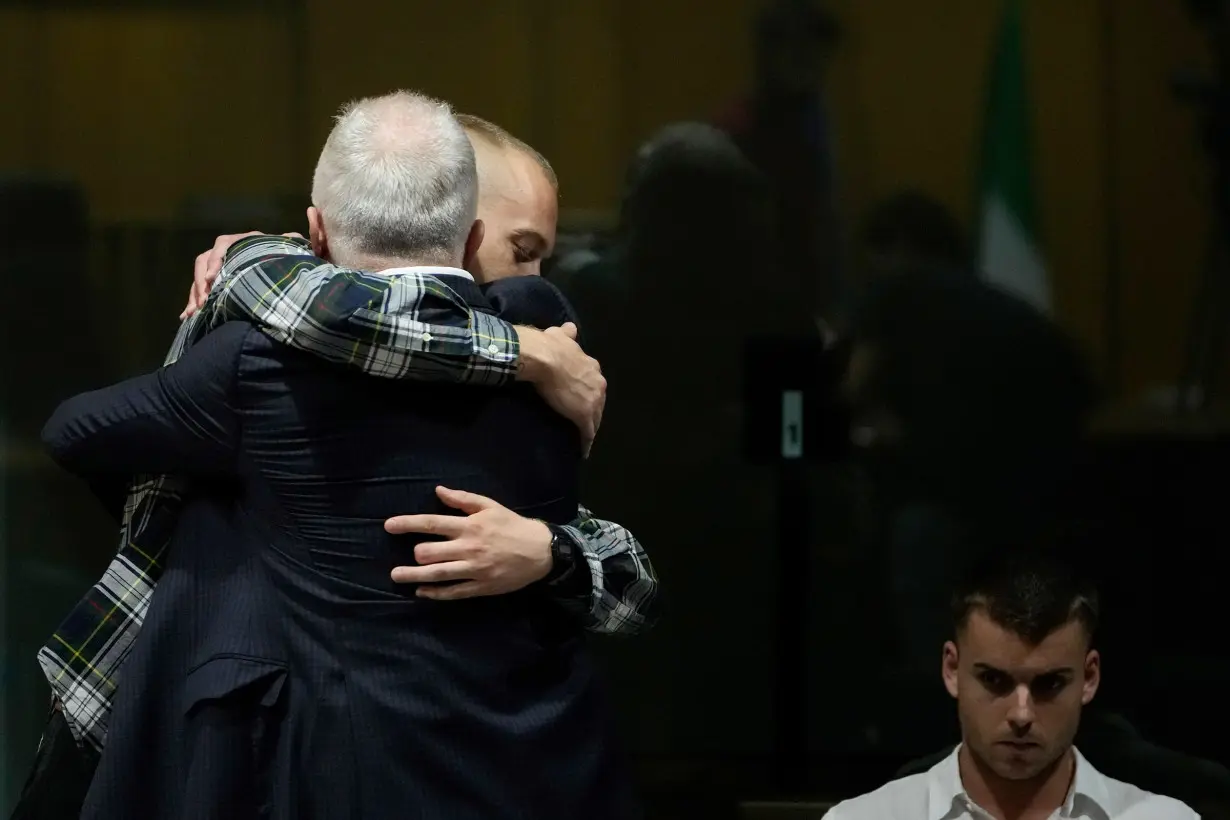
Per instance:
x=1021, y=667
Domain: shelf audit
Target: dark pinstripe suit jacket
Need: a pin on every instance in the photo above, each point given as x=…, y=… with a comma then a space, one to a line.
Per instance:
x=280, y=672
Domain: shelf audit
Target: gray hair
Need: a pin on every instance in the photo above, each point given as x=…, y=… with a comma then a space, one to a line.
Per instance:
x=397, y=180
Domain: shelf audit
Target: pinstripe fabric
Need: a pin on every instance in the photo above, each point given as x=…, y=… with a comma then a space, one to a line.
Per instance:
x=404, y=326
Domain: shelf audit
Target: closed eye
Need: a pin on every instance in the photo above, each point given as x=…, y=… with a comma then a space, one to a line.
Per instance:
x=528, y=245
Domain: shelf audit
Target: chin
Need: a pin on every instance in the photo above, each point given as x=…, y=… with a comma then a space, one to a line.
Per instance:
x=1017, y=772
x=1013, y=765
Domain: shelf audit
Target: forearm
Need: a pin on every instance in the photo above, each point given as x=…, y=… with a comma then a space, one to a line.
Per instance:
x=412, y=326
x=612, y=587
x=534, y=362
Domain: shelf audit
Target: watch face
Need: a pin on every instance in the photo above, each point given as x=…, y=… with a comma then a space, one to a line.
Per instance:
x=561, y=552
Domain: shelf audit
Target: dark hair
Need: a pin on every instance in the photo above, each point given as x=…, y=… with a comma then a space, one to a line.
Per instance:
x=689, y=183
x=940, y=330
x=919, y=226
x=1029, y=592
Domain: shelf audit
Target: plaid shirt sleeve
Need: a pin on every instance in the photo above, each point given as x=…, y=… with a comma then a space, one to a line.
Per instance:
x=412, y=326
x=622, y=597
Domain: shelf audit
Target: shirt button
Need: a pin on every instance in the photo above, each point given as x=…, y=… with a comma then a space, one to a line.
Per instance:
x=427, y=337
x=493, y=349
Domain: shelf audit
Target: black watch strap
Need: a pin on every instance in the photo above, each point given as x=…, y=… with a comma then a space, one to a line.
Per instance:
x=563, y=555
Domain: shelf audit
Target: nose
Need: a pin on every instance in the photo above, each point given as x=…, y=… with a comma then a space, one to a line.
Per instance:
x=1021, y=714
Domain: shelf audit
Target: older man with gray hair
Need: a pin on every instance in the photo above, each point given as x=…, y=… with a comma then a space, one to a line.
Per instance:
x=396, y=181
x=280, y=671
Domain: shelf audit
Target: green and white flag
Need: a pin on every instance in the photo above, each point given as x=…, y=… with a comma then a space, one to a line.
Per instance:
x=1009, y=252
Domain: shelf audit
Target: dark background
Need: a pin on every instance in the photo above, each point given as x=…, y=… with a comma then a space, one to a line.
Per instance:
x=170, y=123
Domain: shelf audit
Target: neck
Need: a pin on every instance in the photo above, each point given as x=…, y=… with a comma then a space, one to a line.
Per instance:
x=1040, y=796
x=379, y=263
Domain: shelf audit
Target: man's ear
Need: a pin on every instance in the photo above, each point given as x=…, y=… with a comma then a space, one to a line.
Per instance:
x=317, y=234
x=469, y=255
x=950, y=667
x=1092, y=677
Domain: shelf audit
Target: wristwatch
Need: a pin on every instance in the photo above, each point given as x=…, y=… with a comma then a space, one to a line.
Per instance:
x=563, y=554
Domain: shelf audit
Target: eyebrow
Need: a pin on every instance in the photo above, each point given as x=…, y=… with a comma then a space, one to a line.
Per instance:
x=1062, y=670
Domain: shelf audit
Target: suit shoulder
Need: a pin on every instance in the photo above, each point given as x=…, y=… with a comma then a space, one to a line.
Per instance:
x=232, y=331
x=905, y=797
x=217, y=353
x=255, y=344
x=232, y=337
x=534, y=286
x=529, y=300
x=256, y=354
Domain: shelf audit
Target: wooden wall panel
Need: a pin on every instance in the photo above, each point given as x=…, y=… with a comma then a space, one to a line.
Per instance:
x=1070, y=161
x=579, y=111
x=20, y=77
x=680, y=60
x=147, y=107
x=1162, y=182
x=474, y=53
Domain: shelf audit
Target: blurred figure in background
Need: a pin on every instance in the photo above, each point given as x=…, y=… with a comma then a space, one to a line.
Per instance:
x=697, y=231
x=909, y=227
x=692, y=270
x=972, y=408
x=899, y=233
x=783, y=127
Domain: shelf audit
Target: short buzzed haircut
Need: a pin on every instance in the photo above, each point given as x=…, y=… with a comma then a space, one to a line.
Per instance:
x=1030, y=592
x=497, y=136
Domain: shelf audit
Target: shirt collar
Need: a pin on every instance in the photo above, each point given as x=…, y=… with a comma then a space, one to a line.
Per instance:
x=947, y=800
x=945, y=795
x=1087, y=785
x=434, y=270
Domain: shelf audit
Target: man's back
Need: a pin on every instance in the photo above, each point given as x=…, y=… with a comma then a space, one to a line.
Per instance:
x=334, y=451
x=382, y=703
x=330, y=454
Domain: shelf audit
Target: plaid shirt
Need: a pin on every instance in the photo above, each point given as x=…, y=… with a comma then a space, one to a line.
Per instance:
x=407, y=326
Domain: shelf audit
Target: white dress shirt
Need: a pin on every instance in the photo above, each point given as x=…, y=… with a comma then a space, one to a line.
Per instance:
x=938, y=795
